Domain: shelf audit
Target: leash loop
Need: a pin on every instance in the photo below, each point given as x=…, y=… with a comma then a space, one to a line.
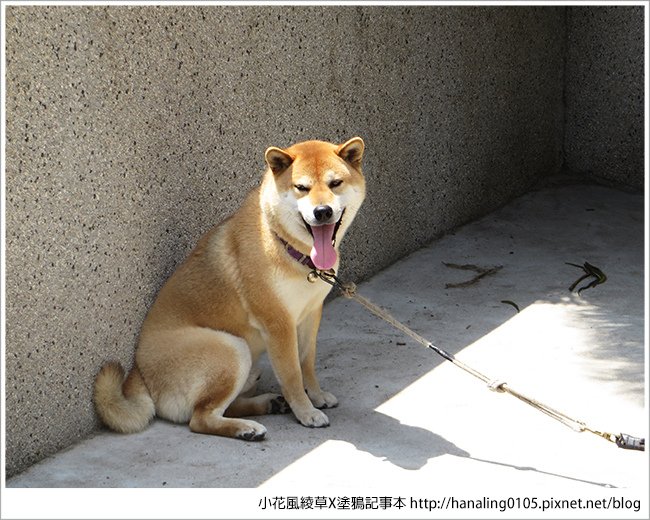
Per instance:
x=627, y=442
x=349, y=290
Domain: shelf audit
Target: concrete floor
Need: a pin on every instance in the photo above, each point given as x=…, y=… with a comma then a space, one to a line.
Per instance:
x=412, y=421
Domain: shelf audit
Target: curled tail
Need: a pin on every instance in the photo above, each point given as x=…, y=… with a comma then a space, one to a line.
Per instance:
x=123, y=404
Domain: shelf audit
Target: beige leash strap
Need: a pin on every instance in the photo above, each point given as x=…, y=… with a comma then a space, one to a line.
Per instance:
x=349, y=290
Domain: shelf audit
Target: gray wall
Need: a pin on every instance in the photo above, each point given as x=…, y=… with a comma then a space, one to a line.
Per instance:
x=131, y=130
x=604, y=94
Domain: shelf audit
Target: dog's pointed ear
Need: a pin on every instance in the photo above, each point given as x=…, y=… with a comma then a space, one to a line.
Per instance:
x=277, y=159
x=352, y=151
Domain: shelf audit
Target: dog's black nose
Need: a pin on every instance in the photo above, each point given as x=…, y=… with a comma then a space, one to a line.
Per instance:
x=322, y=213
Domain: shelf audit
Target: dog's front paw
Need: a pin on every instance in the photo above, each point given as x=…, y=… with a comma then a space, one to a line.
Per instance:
x=323, y=399
x=313, y=418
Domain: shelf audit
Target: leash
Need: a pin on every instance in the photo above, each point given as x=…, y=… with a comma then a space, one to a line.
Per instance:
x=349, y=290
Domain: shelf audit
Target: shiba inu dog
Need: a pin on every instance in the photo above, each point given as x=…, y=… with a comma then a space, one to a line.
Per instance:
x=244, y=290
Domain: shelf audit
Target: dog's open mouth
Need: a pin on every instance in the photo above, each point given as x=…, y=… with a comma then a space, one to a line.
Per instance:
x=323, y=254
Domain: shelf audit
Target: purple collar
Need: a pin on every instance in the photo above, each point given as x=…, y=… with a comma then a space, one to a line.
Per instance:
x=297, y=255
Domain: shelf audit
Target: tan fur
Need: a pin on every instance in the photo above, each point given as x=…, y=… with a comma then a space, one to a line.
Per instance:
x=238, y=294
x=124, y=405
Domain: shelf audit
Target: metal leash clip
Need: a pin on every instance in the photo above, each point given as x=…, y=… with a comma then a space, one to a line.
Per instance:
x=348, y=289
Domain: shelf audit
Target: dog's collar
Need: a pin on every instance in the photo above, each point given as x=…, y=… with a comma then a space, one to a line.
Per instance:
x=297, y=255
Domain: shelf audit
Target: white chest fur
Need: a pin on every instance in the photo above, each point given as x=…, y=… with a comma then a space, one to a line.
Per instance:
x=299, y=296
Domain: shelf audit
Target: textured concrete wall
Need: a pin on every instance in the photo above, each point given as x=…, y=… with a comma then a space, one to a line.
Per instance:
x=131, y=130
x=604, y=93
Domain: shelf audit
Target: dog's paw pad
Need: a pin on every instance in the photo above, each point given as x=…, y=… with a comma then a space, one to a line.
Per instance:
x=251, y=431
x=252, y=435
x=279, y=405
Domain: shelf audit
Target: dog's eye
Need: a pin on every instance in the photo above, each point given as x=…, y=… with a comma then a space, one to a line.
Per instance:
x=336, y=183
x=301, y=187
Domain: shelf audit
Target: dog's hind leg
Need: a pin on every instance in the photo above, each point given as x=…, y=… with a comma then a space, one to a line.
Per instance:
x=230, y=375
x=208, y=418
x=198, y=373
x=262, y=404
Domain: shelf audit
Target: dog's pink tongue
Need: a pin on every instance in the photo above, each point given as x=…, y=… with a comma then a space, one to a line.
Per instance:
x=323, y=254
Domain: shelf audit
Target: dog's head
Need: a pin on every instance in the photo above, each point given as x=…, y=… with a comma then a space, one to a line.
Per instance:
x=313, y=191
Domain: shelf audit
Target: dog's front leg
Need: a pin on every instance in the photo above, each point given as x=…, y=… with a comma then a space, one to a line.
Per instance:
x=307, y=334
x=284, y=357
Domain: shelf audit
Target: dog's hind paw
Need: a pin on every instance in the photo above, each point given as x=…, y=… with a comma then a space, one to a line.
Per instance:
x=252, y=436
x=279, y=405
x=252, y=432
